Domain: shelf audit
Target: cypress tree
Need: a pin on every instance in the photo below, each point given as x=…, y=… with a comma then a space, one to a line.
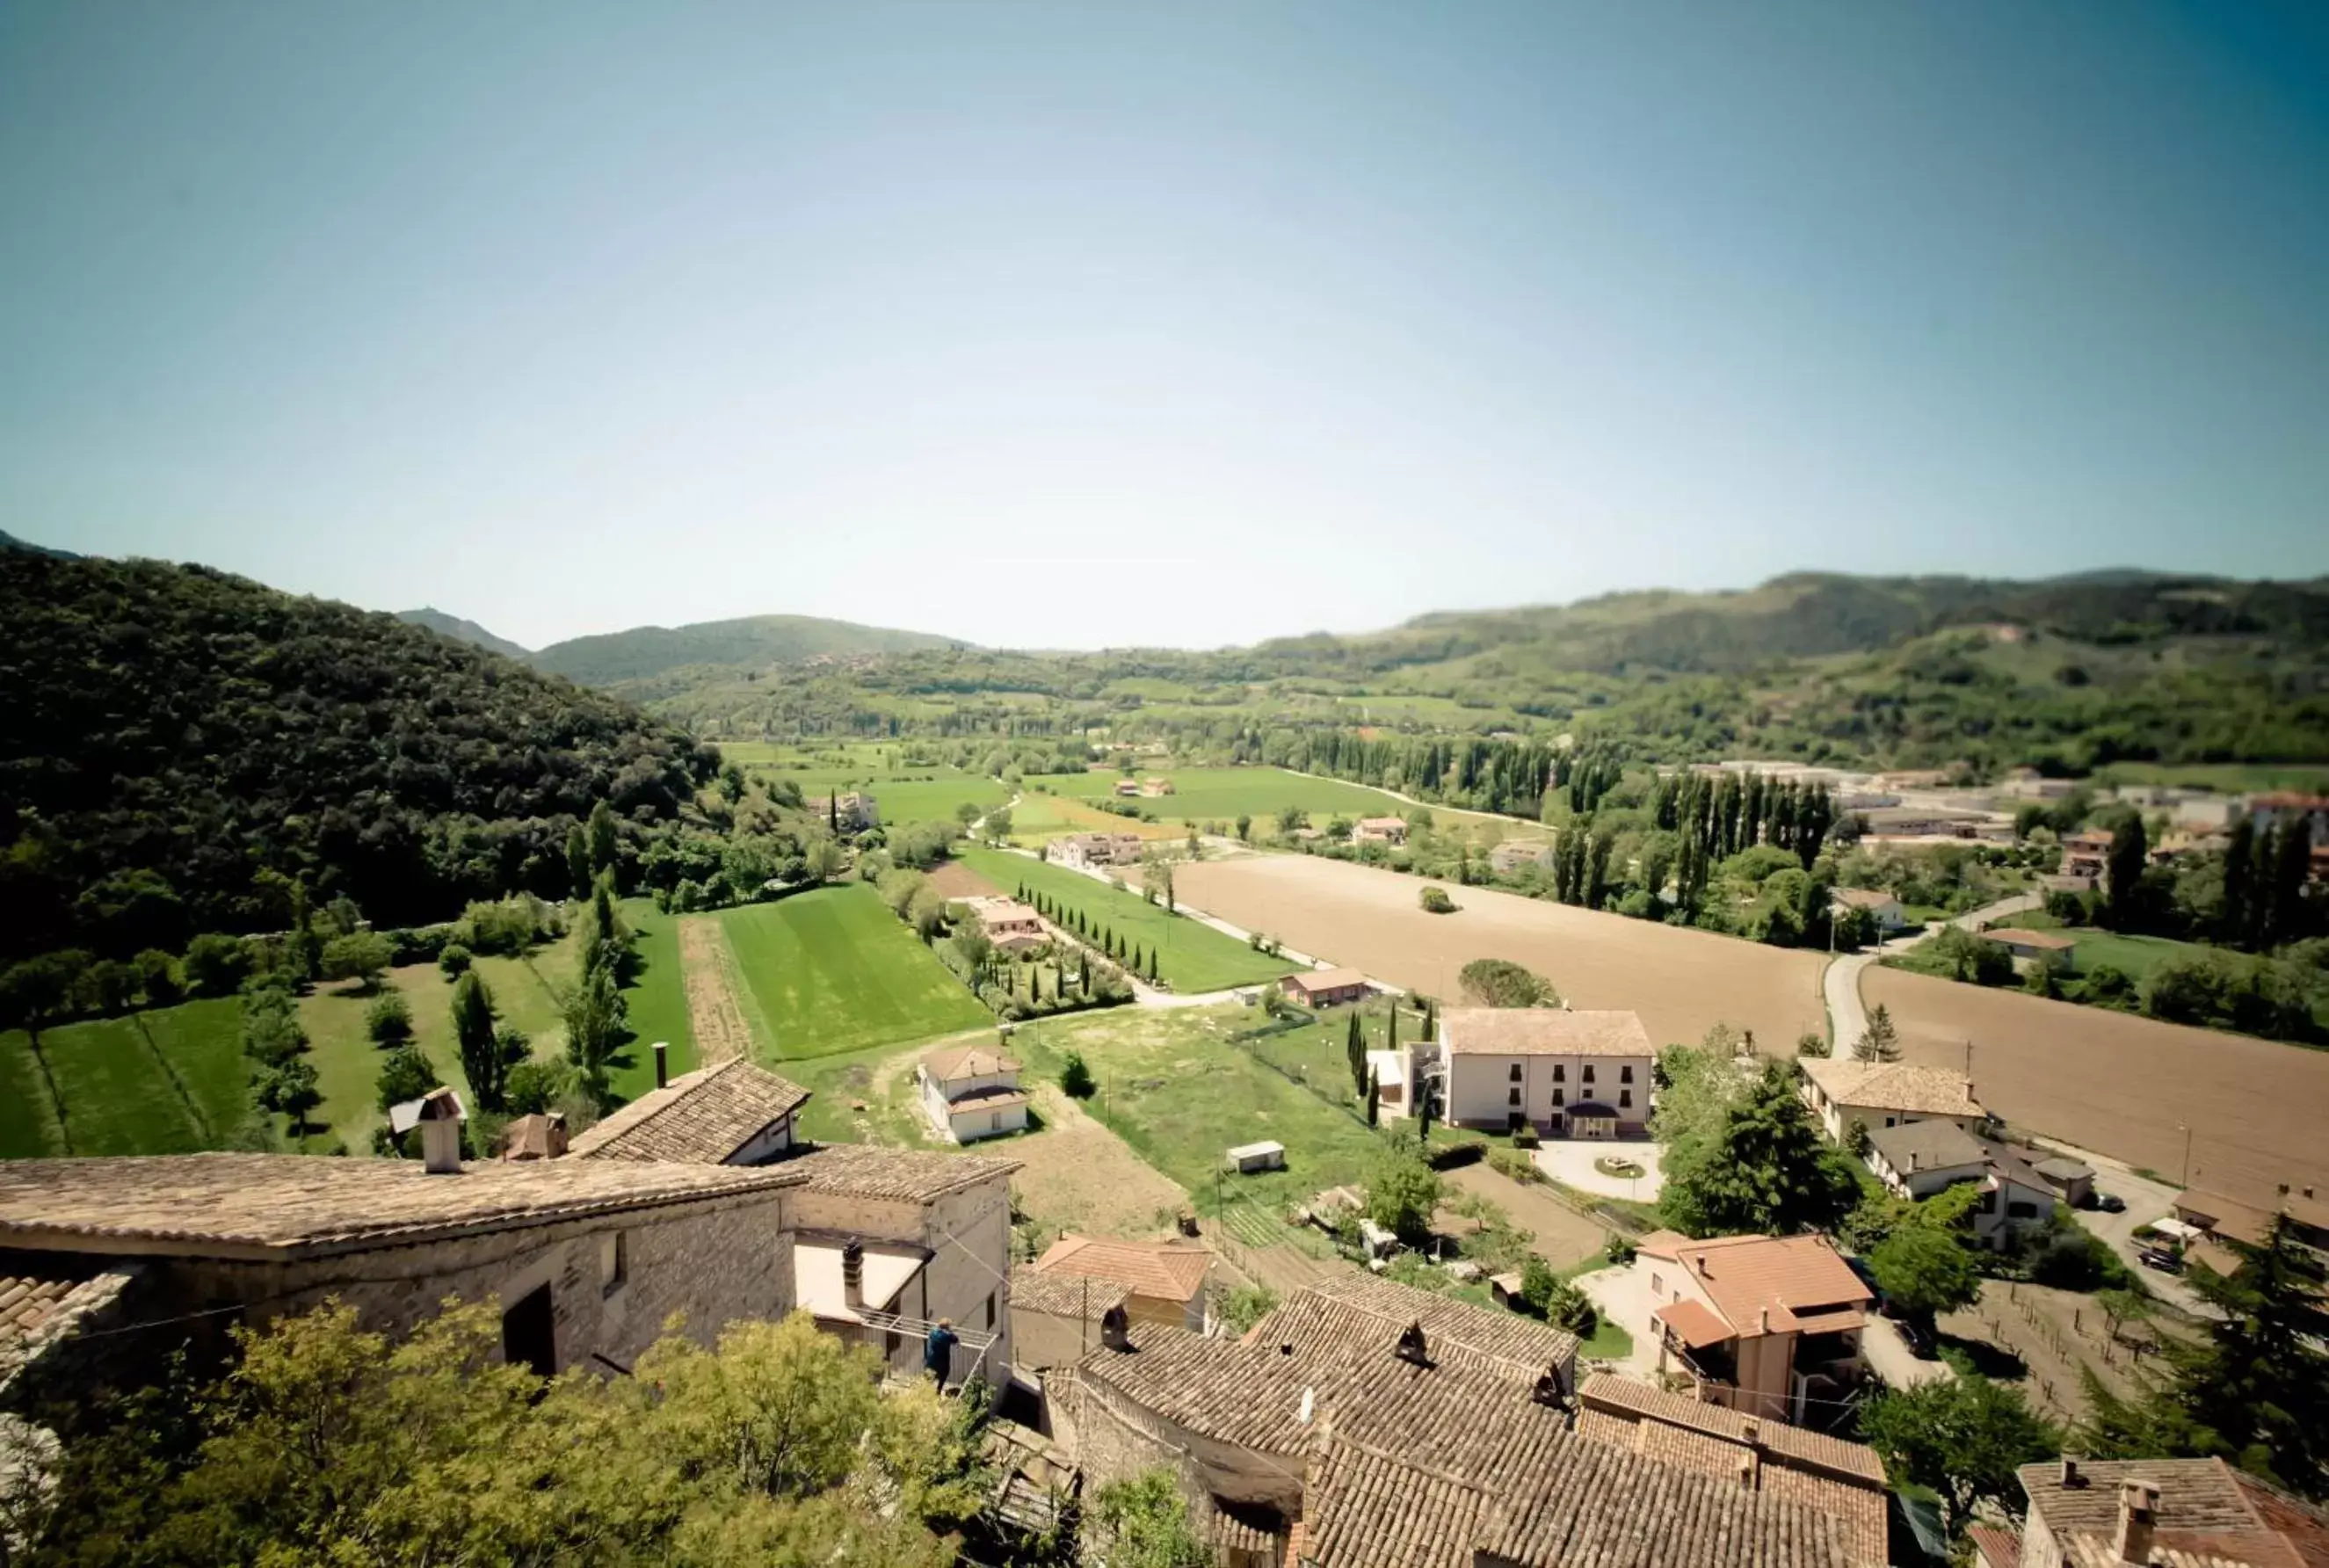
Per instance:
x=1355, y=1049
x=2239, y=917
x=1374, y=1101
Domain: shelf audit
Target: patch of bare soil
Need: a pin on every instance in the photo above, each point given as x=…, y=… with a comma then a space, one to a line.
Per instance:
x=1562, y=1236
x=713, y=1011
x=952, y=879
x=1077, y=1175
x=2122, y=1085
x=1682, y=982
x=2043, y=1337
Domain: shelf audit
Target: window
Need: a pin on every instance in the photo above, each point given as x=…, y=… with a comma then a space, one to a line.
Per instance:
x=1513, y=1097
x=1890, y=1121
x=2021, y=1210
x=1516, y=1073
x=1657, y=1285
x=994, y=1121
x=1559, y=1073
x=1625, y=1098
x=1624, y=1074
x=1988, y=1204
x=614, y=1260
x=990, y=1308
x=1588, y=1074
x=1556, y=1097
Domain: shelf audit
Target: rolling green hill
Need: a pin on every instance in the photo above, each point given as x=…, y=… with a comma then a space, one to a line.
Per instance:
x=756, y=641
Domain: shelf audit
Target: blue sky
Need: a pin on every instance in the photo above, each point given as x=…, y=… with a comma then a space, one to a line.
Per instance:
x=1100, y=324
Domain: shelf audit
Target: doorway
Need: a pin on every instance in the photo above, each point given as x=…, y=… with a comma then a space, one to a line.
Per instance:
x=530, y=1333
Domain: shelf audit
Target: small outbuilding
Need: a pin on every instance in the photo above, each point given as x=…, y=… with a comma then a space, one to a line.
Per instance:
x=1247, y=1158
x=1327, y=988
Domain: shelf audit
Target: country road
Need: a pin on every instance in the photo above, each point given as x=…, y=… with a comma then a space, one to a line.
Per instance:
x=1847, y=1020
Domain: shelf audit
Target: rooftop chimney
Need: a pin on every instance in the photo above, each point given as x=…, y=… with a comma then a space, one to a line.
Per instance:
x=1762, y=1320
x=663, y=1063
x=440, y=1132
x=1747, y=1471
x=2138, y=1501
x=1699, y=1260
x=1412, y=1347
x=1115, y=1328
x=2071, y=1480
x=852, y=1272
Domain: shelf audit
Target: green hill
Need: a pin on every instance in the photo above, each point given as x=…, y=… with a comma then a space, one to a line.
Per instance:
x=646, y=652
x=467, y=631
x=170, y=735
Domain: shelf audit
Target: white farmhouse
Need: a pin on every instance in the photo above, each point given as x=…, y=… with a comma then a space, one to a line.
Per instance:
x=1568, y=1074
x=971, y=1092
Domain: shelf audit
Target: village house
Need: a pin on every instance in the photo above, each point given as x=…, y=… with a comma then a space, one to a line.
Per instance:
x=1127, y=788
x=2189, y=1513
x=731, y=1112
x=1163, y=1281
x=1568, y=1074
x=1327, y=988
x=1155, y=789
x=887, y=1241
x=1880, y=1094
x=1012, y=927
x=1091, y=851
x=2087, y=852
x=587, y=1259
x=1385, y=830
x=2279, y=808
x=1758, y=1324
x=2223, y=1219
x=851, y=813
x=2033, y=947
x=1365, y=1424
x=1921, y=1159
x=1055, y=1319
x=1844, y=1480
x=971, y=1092
x=1884, y=908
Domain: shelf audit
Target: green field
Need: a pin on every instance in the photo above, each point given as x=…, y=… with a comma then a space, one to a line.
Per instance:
x=1173, y=1087
x=2135, y=957
x=656, y=1000
x=833, y=970
x=170, y=1081
x=1224, y=794
x=1191, y=955
x=905, y=792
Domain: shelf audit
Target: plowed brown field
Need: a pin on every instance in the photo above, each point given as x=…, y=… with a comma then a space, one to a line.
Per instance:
x=2121, y=1085
x=1682, y=982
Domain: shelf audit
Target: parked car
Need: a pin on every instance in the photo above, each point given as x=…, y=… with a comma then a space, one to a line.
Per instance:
x=2110, y=1203
x=2159, y=1258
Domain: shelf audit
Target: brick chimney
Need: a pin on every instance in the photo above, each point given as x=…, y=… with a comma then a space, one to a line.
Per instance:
x=663, y=1063
x=1750, y=1463
x=2138, y=1503
x=853, y=1274
x=440, y=1132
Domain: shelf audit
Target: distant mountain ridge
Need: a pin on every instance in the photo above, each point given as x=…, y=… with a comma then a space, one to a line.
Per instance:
x=467, y=631
x=644, y=652
x=10, y=541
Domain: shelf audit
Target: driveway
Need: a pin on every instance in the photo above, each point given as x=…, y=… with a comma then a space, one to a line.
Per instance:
x=2147, y=1202
x=1847, y=1020
x=1570, y=1162
x=1889, y=1358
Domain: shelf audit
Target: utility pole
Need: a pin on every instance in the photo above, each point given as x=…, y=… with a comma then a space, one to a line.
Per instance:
x=2186, y=1131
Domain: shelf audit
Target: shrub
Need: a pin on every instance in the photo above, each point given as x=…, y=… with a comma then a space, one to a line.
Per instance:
x=1518, y=1166
x=389, y=1020
x=1617, y=1249
x=1435, y=901
x=216, y=964
x=453, y=962
x=1075, y=1077
x=405, y=1074
x=1524, y=1136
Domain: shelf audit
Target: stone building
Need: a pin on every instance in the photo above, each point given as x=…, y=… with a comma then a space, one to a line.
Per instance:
x=728, y=1114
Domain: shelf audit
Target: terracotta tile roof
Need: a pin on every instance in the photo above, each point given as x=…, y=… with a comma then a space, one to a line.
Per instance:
x=1163, y=1271
x=1543, y=1032
x=288, y=1205
x=968, y=1062
x=40, y=1295
x=1894, y=1086
x=2207, y=1512
x=996, y=1096
x=1923, y=1146
x=1220, y=1388
x=1794, y=1279
x=1063, y=1295
x=1332, y=979
x=1363, y=1311
x=902, y=1175
x=1997, y=1548
x=1843, y=1479
x=1363, y=1509
x=704, y=1116
x=1694, y=1323
x=536, y=1136
x=1242, y=1527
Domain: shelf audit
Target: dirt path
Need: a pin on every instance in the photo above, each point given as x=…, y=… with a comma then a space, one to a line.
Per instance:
x=712, y=1010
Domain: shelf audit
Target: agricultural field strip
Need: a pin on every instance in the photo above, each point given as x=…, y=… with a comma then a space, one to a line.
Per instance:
x=1191, y=956
x=832, y=971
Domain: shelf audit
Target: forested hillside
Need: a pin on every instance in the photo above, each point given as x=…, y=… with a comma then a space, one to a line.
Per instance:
x=467, y=631
x=178, y=746
x=647, y=651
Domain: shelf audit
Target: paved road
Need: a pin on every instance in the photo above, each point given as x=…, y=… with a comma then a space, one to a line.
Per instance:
x=1889, y=1357
x=1847, y=1020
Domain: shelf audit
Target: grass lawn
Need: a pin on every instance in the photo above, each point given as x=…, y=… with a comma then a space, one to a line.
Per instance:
x=1316, y=1052
x=1191, y=955
x=29, y=1129
x=656, y=1000
x=905, y=792
x=1173, y=1087
x=1222, y=794
x=1038, y=820
x=2135, y=957
x=833, y=970
x=1608, y=1341
x=122, y=1095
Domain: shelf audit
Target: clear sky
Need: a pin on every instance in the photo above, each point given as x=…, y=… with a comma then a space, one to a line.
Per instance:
x=1106, y=322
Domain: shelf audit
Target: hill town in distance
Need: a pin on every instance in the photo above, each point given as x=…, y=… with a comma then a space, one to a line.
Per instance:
x=1823, y=1075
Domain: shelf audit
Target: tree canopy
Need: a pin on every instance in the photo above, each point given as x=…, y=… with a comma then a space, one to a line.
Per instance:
x=1501, y=983
x=1754, y=1162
